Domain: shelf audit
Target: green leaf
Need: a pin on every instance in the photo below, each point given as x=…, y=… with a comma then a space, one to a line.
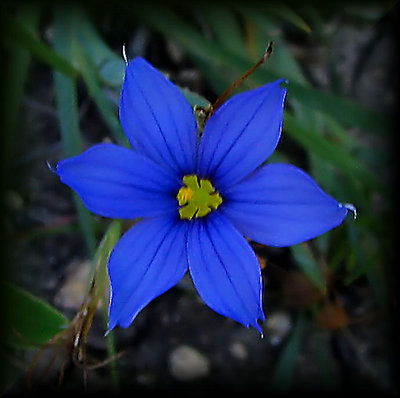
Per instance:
x=14, y=85
x=308, y=265
x=112, y=72
x=287, y=14
x=284, y=370
x=215, y=55
x=90, y=76
x=369, y=263
x=264, y=27
x=26, y=38
x=332, y=153
x=31, y=321
x=66, y=97
x=100, y=260
x=194, y=98
x=111, y=68
x=342, y=109
x=101, y=281
x=225, y=27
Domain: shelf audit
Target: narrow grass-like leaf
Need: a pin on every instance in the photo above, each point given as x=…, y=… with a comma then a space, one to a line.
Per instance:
x=31, y=321
x=308, y=265
x=66, y=96
x=284, y=370
x=198, y=46
x=332, y=153
x=103, y=103
x=100, y=259
x=225, y=27
x=265, y=27
x=368, y=263
x=325, y=362
x=342, y=109
x=101, y=280
x=16, y=72
x=26, y=38
x=285, y=13
x=110, y=66
x=194, y=98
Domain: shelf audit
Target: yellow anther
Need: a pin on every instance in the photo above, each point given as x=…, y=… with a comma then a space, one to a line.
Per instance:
x=185, y=194
x=197, y=200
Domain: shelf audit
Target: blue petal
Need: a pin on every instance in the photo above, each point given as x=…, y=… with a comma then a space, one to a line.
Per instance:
x=242, y=134
x=225, y=270
x=281, y=205
x=116, y=182
x=148, y=260
x=157, y=119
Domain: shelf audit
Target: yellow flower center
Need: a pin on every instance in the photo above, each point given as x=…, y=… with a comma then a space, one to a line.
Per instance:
x=197, y=200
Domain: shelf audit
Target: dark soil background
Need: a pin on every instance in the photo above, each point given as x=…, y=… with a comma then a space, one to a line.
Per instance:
x=177, y=342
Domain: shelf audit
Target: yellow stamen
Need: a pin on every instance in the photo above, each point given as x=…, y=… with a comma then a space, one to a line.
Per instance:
x=197, y=200
x=184, y=195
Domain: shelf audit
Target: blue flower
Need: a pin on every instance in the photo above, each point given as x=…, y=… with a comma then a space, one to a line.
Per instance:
x=198, y=198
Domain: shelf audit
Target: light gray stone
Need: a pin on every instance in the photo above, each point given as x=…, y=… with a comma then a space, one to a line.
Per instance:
x=186, y=363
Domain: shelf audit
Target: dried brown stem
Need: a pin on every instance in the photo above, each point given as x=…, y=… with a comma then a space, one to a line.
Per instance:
x=222, y=98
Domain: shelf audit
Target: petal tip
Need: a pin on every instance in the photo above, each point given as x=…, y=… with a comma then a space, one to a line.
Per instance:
x=58, y=168
x=124, y=57
x=285, y=81
x=135, y=65
x=52, y=168
x=139, y=62
x=118, y=320
x=107, y=332
x=281, y=83
x=350, y=207
x=257, y=324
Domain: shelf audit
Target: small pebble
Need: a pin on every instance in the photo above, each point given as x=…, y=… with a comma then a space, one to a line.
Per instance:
x=186, y=363
x=277, y=327
x=238, y=350
x=75, y=287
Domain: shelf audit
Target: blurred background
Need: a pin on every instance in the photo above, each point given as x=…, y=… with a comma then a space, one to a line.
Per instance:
x=329, y=302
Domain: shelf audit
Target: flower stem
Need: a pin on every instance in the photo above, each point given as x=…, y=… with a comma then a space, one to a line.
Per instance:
x=112, y=352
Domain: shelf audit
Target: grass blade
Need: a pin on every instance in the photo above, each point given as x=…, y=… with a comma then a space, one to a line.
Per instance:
x=16, y=72
x=283, y=374
x=111, y=67
x=225, y=27
x=287, y=14
x=101, y=279
x=25, y=37
x=309, y=266
x=332, y=153
x=66, y=96
x=199, y=47
x=109, y=114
